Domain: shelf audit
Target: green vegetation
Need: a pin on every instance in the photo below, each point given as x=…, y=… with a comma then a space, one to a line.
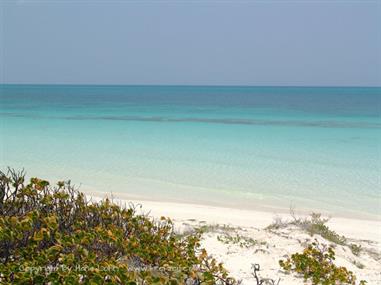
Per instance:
x=54, y=235
x=313, y=225
x=315, y=263
x=242, y=241
x=229, y=235
x=356, y=249
x=51, y=234
x=211, y=228
x=316, y=225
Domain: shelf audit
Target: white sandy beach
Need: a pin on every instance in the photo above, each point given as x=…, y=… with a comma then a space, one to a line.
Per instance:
x=269, y=245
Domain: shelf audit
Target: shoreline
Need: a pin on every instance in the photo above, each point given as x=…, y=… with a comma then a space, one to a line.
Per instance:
x=253, y=205
x=258, y=217
x=264, y=246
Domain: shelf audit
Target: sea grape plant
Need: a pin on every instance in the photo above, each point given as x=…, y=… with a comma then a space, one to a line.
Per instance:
x=316, y=263
x=53, y=234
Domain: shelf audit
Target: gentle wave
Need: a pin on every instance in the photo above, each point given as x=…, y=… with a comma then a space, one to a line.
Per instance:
x=319, y=124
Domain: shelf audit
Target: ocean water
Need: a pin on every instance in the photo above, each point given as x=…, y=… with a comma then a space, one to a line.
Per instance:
x=312, y=148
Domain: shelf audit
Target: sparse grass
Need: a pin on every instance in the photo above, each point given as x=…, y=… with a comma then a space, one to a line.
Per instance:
x=242, y=241
x=229, y=235
x=278, y=223
x=358, y=264
x=212, y=228
x=314, y=224
x=375, y=254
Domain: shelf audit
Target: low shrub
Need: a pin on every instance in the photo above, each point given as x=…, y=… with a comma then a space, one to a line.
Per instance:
x=315, y=263
x=316, y=225
x=54, y=235
x=356, y=249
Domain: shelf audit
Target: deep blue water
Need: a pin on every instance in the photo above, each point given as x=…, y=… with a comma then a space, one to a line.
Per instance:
x=311, y=147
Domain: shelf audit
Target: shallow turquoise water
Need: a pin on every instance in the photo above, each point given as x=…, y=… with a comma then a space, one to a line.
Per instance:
x=311, y=147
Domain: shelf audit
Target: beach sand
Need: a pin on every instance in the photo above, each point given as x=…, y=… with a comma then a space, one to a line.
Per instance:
x=263, y=246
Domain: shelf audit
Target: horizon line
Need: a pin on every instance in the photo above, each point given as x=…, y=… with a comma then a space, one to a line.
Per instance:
x=191, y=85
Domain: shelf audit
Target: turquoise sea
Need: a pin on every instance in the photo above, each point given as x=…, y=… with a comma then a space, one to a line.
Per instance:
x=316, y=148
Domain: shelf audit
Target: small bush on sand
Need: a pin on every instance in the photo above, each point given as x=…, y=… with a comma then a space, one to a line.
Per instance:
x=356, y=249
x=315, y=263
x=54, y=235
x=314, y=224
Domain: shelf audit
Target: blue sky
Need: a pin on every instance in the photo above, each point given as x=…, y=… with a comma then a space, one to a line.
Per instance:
x=315, y=43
